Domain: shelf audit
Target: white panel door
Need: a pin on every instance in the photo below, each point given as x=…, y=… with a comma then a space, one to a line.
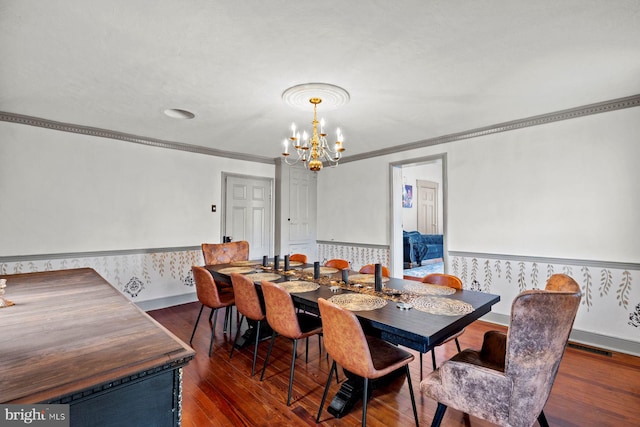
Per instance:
x=302, y=206
x=427, y=207
x=248, y=207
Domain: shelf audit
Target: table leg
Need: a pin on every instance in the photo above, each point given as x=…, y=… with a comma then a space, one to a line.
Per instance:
x=351, y=391
x=248, y=337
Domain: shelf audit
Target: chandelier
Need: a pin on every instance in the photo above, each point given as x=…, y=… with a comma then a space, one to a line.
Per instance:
x=312, y=152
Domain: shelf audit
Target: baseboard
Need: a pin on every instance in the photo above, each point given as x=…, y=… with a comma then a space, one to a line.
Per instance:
x=165, y=302
x=590, y=339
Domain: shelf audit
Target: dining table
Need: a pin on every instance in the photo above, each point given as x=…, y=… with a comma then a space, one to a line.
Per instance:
x=415, y=315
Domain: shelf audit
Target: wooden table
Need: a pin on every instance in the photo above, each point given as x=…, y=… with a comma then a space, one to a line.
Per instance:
x=414, y=329
x=71, y=338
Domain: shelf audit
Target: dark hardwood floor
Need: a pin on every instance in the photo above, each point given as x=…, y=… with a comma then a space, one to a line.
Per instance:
x=590, y=389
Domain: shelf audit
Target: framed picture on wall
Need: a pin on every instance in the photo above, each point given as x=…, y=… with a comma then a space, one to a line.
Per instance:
x=407, y=196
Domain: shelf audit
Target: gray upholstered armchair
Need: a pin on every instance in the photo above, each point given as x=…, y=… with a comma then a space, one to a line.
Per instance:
x=509, y=380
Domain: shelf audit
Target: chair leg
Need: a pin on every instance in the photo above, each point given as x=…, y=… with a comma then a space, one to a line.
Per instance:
x=255, y=349
x=326, y=389
x=266, y=359
x=226, y=320
x=233, y=347
x=433, y=358
x=306, y=352
x=437, y=418
x=542, y=420
x=458, y=345
x=231, y=319
x=293, y=366
x=213, y=328
x=196, y=325
x=365, y=397
x=421, y=366
x=413, y=399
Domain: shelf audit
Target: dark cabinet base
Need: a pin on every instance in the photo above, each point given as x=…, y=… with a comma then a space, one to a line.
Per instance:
x=148, y=399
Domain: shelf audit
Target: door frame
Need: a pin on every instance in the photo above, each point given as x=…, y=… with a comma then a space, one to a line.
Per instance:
x=395, y=209
x=223, y=223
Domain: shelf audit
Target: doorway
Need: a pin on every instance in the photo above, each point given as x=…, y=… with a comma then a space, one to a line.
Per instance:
x=248, y=212
x=407, y=172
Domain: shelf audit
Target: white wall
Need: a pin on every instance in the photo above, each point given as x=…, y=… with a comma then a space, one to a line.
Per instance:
x=557, y=198
x=568, y=189
x=63, y=192
x=562, y=191
x=108, y=204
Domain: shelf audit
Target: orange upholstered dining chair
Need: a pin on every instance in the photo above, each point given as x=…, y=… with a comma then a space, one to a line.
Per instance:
x=249, y=306
x=298, y=257
x=452, y=282
x=283, y=319
x=366, y=356
x=224, y=253
x=211, y=296
x=337, y=263
x=509, y=380
x=371, y=269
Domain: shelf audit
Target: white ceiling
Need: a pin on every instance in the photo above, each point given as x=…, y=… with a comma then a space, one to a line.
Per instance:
x=414, y=69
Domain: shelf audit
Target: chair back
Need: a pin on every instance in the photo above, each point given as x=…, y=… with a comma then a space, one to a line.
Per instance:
x=371, y=269
x=344, y=339
x=443, y=279
x=206, y=287
x=541, y=321
x=337, y=263
x=224, y=253
x=246, y=297
x=298, y=257
x=281, y=313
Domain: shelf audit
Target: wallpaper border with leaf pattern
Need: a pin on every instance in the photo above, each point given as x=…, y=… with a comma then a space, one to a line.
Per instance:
x=140, y=275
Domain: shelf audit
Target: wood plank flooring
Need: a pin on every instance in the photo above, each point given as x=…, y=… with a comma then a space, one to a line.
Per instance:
x=590, y=389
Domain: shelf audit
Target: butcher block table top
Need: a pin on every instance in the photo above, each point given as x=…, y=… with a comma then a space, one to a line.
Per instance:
x=70, y=331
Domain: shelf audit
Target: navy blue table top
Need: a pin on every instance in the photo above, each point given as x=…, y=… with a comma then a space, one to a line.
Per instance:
x=411, y=328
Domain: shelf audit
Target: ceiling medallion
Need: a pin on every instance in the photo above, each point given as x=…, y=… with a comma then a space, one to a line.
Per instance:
x=313, y=152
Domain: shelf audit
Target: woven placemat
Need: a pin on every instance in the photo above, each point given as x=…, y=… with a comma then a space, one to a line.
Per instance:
x=244, y=263
x=427, y=289
x=443, y=306
x=241, y=270
x=358, y=302
x=258, y=277
x=365, y=278
x=299, y=286
x=323, y=270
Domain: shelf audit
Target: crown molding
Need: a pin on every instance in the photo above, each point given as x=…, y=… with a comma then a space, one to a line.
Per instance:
x=121, y=136
x=571, y=113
